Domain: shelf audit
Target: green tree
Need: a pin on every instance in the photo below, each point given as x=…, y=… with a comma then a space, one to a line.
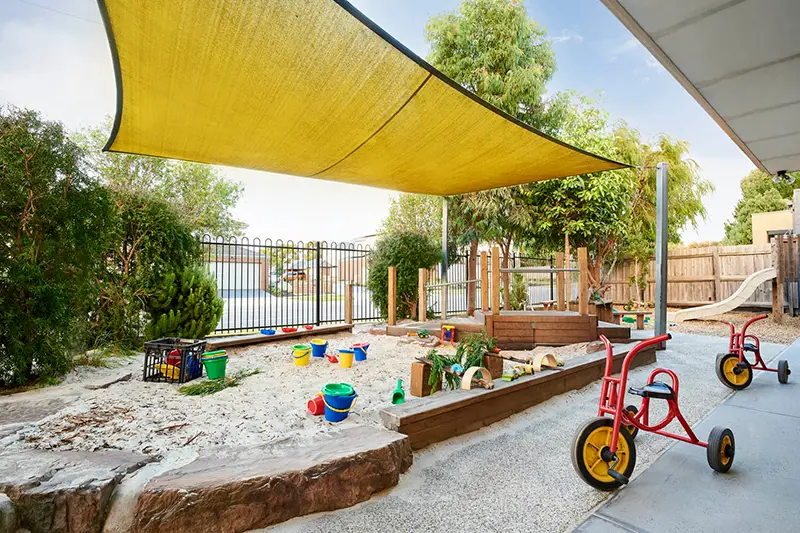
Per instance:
x=151, y=242
x=408, y=252
x=52, y=235
x=201, y=195
x=686, y=190
x=760, y=194
x=493, y=49
x=417, y=213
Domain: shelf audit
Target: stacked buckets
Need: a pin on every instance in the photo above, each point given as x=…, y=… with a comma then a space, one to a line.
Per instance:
x=301, y=354
x=215, y=363
x=338, y=399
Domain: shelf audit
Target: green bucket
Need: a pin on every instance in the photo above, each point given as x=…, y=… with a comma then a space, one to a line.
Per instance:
x=215, y=368
x=338, y=389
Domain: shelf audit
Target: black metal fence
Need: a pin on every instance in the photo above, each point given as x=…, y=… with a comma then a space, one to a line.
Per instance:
x=272, y=284
x=268, y=284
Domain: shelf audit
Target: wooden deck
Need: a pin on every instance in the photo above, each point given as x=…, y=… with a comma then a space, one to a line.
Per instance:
x=218, y=343
x=448, y=414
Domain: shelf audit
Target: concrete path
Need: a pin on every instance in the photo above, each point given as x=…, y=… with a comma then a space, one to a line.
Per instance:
x=516, y=475
x=680, y=493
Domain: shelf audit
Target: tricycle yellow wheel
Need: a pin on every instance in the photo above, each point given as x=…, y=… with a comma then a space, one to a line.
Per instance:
x=731, y=373
x=591, y=456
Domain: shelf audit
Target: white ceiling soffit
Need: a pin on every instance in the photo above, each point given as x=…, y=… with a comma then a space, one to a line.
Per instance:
x=740, y=59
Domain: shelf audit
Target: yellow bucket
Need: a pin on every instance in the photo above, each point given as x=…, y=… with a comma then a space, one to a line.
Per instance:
x=346, y=358
x=301, y=354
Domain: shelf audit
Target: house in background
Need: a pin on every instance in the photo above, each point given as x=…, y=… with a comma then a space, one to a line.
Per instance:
x=237, y=267
x=777, y=223
x=302, y=274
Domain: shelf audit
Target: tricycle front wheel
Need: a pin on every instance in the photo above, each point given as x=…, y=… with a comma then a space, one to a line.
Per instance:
x=591, y=456
x=731, y=373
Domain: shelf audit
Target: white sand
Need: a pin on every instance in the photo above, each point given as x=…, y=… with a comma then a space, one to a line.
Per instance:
x=153, y=418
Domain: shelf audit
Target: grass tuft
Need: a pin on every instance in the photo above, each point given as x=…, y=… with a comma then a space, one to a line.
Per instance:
x=211, y=386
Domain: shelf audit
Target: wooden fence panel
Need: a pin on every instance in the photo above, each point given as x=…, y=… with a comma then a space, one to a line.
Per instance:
x=698, y=276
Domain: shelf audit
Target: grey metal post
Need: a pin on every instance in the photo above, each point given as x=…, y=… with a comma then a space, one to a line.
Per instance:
x=662, y=173
x=444, y=259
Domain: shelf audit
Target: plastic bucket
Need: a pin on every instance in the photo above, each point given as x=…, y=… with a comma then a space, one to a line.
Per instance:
x=338, y=389
x=360, y=351
x=316, y=405
x=338, y=407
x=318, y=347
x=301, y=354
x=215, y=366
x=346, y=358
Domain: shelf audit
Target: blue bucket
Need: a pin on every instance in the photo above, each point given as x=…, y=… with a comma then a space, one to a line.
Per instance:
x=338, y=407
x=318, y=347
x=360, y=352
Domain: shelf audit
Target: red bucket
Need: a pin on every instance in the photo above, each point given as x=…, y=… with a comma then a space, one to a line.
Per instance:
x=316, y=405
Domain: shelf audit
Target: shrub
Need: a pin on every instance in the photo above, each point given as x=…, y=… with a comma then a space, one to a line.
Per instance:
x=519, y=292
x=53, y=232
x=408, y=252
x=184, y=306
x=151, y=242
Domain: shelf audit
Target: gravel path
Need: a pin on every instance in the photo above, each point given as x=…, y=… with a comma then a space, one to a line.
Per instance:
x=516, y=475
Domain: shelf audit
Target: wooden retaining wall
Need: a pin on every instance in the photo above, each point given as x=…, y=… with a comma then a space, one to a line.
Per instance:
x=448, y=414
x=521, y=330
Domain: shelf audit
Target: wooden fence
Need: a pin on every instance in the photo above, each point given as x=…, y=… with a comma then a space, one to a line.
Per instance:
x=698, y=276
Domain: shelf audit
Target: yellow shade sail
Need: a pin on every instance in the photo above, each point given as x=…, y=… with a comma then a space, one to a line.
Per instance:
x=311, y=88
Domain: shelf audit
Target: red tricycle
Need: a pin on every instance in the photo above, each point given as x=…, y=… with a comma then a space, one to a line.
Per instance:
x=733, y=368
x=603, y=450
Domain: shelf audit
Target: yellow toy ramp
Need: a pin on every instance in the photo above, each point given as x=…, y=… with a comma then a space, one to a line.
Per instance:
x=745, y=290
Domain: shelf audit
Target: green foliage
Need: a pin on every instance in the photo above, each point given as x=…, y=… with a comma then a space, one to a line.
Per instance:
x=760, y=194
x=151, y=242
x=211, y=386
x=469, y=352
x=418, y=213
x=519, y=292
x=496, y=51
x=52, y=235
x=199, y=193
x=438, y=363
x=408, y=252
x=184, y=306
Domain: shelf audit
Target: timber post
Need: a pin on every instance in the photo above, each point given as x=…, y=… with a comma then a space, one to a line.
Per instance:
x=583, y=284
x=392, y=318
x=496, y=280
x=561, y=299
x=484, y=282
x=422, y=296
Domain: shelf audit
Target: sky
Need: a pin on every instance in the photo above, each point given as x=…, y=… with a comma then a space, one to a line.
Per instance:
x=54, y=58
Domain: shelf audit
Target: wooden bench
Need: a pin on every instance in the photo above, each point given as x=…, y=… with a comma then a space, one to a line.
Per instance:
x=638, y=314
x=546, y=305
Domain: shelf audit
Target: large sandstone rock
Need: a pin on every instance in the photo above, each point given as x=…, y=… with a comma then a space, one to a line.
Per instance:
x=259, y=486
x=8, y=515
x=63, y=492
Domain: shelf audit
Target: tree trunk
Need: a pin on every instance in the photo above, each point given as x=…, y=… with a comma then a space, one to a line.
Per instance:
x=472, y=273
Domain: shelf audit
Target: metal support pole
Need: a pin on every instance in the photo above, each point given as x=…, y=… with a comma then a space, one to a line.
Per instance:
x=443, y=276
x=662, y=173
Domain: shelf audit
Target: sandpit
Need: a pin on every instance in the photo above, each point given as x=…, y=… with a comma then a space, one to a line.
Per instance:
x=155, y=419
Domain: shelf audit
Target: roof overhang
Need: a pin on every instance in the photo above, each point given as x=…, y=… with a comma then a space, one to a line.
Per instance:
x=740, y=59
x=311, y=88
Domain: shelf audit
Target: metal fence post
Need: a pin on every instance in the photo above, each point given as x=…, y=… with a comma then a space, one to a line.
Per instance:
x=319, y=284
x=662, y=173
x=551, y=279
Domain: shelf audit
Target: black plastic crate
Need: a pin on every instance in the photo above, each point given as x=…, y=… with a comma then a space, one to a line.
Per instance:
x=160, y=366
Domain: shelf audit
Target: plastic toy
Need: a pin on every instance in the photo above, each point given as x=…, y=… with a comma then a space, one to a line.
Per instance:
x=733, y=368
x=399, y=395
x=423, y=333
x=316, y=405
x=449, y=334
x=517, y=371
x=301, y=353
x=269, y=331
x=360, y=351
x=174, y=358
x=603, y=451
x=309, y=327
x=288, y=330
x=318, y=347
x=332, y=358
x=339, y=399
x=346, y=358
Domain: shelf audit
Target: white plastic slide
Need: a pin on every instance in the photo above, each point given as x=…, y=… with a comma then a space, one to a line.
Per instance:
x=745, y=290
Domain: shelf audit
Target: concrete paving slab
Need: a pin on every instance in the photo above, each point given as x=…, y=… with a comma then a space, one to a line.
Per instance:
x=680, y=493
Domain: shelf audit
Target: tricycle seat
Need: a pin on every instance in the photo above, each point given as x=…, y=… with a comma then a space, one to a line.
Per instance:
x=749, y=347
x=656, y=389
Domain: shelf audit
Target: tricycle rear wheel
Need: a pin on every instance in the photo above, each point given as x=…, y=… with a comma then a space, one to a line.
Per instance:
x=783, y=372
x=588, y=447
